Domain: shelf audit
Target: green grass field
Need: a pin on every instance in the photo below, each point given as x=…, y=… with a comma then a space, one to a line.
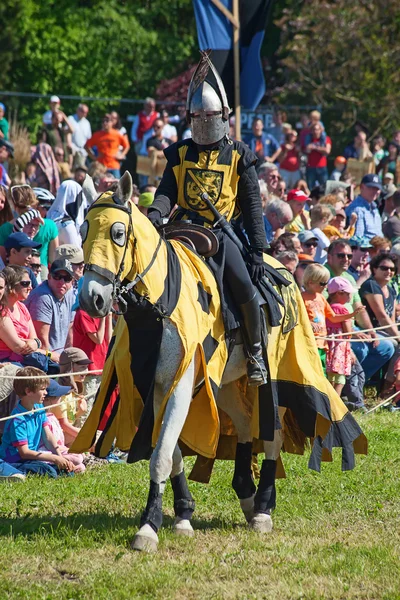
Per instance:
x=336, y=536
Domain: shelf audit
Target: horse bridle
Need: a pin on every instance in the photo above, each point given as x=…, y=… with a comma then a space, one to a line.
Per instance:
x=115, y=279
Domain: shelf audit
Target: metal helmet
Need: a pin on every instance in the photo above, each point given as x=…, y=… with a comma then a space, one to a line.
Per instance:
x=207, y=109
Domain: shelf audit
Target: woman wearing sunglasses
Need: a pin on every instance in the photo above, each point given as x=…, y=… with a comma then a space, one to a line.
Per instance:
x=379, y=298
x=17, y=332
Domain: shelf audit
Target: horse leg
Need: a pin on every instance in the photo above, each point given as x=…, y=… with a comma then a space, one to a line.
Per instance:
x=184, y=504
x=162, y=460
x=265, y=498
x=229, y=399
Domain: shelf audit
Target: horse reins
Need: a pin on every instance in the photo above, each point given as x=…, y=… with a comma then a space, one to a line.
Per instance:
x=118, y=290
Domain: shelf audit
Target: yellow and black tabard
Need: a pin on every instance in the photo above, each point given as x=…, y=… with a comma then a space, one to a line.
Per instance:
x=227, y=173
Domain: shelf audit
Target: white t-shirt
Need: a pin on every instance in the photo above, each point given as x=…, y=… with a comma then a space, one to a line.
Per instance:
x=323, y=243
x=82, y=132
x=169, y=131
x=67, y=233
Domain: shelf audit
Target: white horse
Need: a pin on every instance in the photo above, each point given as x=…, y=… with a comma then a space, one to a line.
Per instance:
x=97, y=297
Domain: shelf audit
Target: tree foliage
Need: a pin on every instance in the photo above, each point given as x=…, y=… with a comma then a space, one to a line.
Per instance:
x=344, y=56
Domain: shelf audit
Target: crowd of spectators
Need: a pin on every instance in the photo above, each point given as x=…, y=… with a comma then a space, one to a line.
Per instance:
x=338, y=237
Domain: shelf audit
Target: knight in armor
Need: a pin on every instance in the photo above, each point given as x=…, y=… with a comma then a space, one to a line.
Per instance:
x=211, y=162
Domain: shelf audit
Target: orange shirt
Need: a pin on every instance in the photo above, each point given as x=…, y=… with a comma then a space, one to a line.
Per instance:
x=318, y=310
x=107, y=144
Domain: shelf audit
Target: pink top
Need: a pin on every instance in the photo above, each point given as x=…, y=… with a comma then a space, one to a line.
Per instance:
x=22, y=330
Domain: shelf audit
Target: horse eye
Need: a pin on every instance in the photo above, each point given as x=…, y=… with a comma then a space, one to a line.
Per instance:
x=118, y=234
x=84, y=230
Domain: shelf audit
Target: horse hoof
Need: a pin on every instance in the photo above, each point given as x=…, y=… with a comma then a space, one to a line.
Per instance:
x=261, y=523
x=183, y=527
x=247, y=506
x=146, y=540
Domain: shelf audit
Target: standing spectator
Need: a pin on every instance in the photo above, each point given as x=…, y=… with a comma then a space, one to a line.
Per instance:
x=359, y=266
x=314, y=117
x=269, y=173
x=143, y=123
x=4, y=126
x=388, y=164
x=289, y=160
x=54, y=106
x=277, y=129
x=50, y=306
x=301, y=220
x=264, y=146
x=368, y=222
x=47, y=174
x=391, y=228
x=6, y=152
x=58, y=135
x=318, y=148
x=82, y=132
x=107, y=142
x=359, y=149
x=169, y=131
x=277, y=215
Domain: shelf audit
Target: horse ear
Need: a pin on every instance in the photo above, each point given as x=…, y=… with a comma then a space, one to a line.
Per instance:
x=89, y=190
x=125, y=188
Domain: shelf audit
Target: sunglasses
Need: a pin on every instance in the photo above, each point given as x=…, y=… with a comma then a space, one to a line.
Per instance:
x=386, y=269
x=25, y=284
x=344, y=255
x=67, y=278
x=34, y=267
x=311, y=244
x=323, y=283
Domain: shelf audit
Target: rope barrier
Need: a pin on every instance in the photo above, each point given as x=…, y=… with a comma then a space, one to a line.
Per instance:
x=50, y=376
x=383, y=403
x=36, y=410
x=357, y=331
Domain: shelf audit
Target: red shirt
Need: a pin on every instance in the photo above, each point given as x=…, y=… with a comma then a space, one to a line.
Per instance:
x=291, y=162
x=84, y=324
x=315, y=158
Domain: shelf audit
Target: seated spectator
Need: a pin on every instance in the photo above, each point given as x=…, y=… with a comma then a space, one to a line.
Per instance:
x=359, y=265
x=379, y=245
x=157, y=142
x=75, y=256
x=372, y=356
x=299, y=272
x=264, y=145
x=338, y=222
x=301, y=184
x=55, y=392
x=47, y=175
x=6, y=214
x=63, y=166
x=92, y=335
x=67, y=212
x=72, y=360
x=18, y=336
x=320, y=216
x=286, y=241
x=10, y=473
x=289, y=259
x=108, y=141
x=309, y=244
x=338, y=365
x=364, y=206
x=379, y=298
x=378, y=149
x=391, y=228
x=35, y=265
x=50, y=306
x=269, y=173
x=4, y=125
x=340, y=165
x=388, y=194
x=278, y=214
x=289, y=160
x=23, y=435
x=169, y=131
x=281, y=190
x=18, y=249
x=301, y=219
x=30, y=173
x=80, y=173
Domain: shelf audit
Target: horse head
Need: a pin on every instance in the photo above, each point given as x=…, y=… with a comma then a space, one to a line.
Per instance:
x=108, y=245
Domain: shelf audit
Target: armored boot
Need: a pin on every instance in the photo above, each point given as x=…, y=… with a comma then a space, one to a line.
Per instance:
x=256, y=369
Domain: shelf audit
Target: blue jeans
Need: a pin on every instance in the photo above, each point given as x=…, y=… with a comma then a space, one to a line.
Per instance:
x=114, y=172
x=37, y=467
x=314, y=174
x=372, y=359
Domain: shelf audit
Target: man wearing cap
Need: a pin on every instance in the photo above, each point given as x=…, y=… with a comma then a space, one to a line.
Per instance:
x=391, y=228
x=369, y=221
x=372, y=356
x=359, y=266
x=54, y=105
x=19, y=252
x=75, y=257
x=6, y=151
x=309, y=244
x=50, y=306
x=297, y=200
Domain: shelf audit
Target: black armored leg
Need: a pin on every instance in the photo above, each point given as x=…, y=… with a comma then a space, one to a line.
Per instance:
x=184, y=504
x=152, y=514
x=265, y=499
x=242, y=481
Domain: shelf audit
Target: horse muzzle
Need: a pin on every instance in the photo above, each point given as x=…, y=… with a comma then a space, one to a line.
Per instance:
x=96, y=295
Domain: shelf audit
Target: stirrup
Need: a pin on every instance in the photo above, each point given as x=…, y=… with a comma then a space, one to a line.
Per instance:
x=256, y=370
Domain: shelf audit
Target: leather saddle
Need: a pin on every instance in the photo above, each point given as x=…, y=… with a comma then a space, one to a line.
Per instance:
x=198, y=238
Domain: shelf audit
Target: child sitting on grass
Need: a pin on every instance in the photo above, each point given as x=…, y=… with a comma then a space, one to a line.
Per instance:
x=315, y=279
x=55, y=391
x=24, y=434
